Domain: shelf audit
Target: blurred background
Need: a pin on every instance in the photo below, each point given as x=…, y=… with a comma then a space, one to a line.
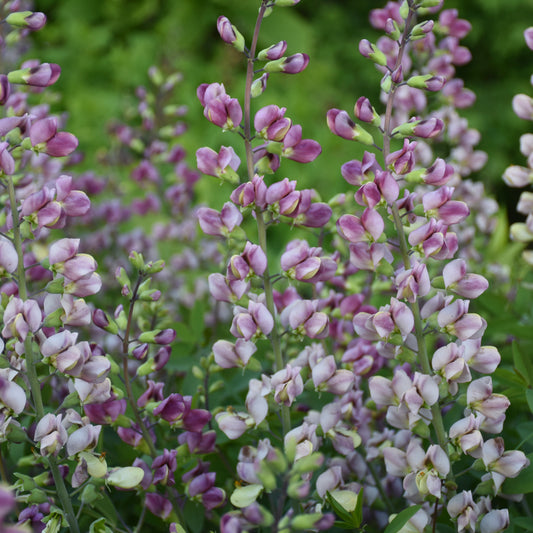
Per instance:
x=106, y=48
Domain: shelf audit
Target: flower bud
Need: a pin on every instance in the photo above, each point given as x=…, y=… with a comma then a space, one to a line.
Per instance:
x=372, y=52
x=43, y=75
x=230, y=34
x=273, y=52
x=27, y=19
x=289, y=65
x=427, y=81
x=259, y=85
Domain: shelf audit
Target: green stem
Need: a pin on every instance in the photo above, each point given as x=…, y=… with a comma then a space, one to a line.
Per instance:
x=125, y=369
x=423, y=356
x=261, y=226
x=31, y=363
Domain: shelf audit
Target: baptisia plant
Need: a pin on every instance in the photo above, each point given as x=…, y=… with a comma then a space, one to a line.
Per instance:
x=61, y=394
x=403, y=229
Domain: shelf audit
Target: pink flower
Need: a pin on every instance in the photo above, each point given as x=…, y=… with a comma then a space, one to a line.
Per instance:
x=50, y=434
x=287, y=384
x=20, y=318
x=45, y=138
x=502, y=464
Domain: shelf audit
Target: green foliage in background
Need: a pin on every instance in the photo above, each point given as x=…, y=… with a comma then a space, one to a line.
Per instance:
x=105, y=49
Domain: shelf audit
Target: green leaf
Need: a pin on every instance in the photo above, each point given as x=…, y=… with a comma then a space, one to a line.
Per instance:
x=184, y=333
x=523, y=483
x=245, y=496
x=522, y=365
x=524, y=523
x=529, y=398
x=196, y=320
x=401, y=519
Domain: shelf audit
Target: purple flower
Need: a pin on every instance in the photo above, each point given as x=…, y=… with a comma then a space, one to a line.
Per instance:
x=219, y=108
x=158, y=505
x=222, y=165
x=229, y=355
x=340, y=123
x=45, y=138
x=214, y=223
x=50, y=434
x=42, y=75
x=229, y=33
x=274, y=51
x=287, y=384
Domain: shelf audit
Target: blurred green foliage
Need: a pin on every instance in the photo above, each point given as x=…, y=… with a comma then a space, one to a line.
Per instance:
x=105, y=49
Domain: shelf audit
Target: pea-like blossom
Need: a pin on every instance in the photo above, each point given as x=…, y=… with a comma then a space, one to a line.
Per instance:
x=50, y=434
x=45, y=138
x=219, y=107
x=287, y=384
x=303, y=316
x=367, y=228
x=492, y=406
x=21, y=318
x=500, y=463
x=229, y=355
x=222, y=165
x=252, y=322
x=462, y=508
x=219, y=223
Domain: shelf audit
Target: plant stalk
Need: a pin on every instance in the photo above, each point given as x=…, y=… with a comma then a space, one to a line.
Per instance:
x=31, y=362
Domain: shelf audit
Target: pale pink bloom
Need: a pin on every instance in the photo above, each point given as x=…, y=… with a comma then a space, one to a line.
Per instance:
x=252, y=322
x=366, y=256
x=480, y=398
x=466, y=285
x=463, y=508
x=50, y=434
x=523, y=106
x=500, y=463
x=494, y=521
x=517, y=176
x=465, y=433
x=93, y=392
x=287, y=384
x=449, y=362
x=412, y=283
x=304, y=440
x=368, y=228
x=214, y=223
x=12, y=396
x=256, y=403
x=229, y=355
x=234, y=424
x=455, y=319
x=329, y=480
x=20, y=318
x=302, y=316
x=226, y=290
x=484, y=359
x=84, y=438
x=8, y=255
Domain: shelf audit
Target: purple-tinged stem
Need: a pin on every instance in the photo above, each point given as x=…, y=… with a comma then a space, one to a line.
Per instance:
x=261, y=226
x=423, y=356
